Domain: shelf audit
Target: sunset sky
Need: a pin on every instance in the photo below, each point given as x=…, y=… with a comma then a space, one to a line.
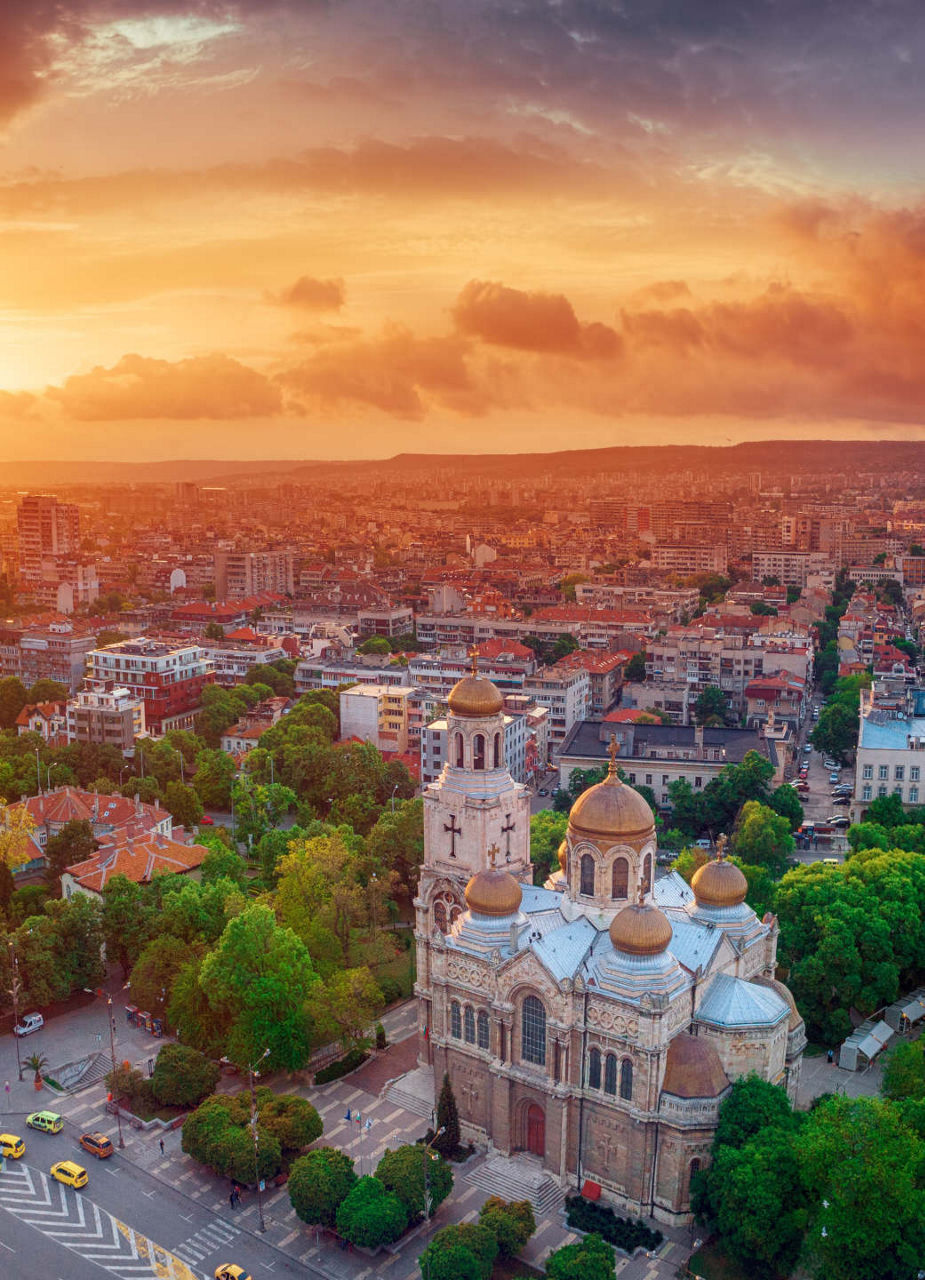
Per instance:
x=357, y=227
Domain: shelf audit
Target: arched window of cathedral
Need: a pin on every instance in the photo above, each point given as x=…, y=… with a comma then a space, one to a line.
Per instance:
x=478, y=751
x=459, y=751
x=610, y=1075
x=440, y=916
x=483, y=1029
x=647, y=873
x=626, y=1078
x=497, y=760
x=455, y=1021
x=594, y=1069
x=694, y=1168
x=620, y=878
x=469, y=1025
x=587, y=874
x=533, y=1032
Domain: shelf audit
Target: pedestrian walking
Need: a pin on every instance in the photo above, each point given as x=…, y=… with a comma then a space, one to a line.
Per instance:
x=161, y=1140
x=6, y=1090
x=231, y=1196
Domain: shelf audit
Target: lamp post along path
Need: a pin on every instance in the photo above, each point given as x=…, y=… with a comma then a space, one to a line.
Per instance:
x=112, y=1049
x=15, y=986
x=252, y=1072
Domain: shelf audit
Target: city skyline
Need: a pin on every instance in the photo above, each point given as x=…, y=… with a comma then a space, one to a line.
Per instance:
x=345, y=231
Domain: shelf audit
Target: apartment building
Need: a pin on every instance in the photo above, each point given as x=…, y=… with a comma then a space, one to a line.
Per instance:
x=516, y=738
x=168, y=678
x=55, y=652
x=605, y=677
x=438, y=674
x=689, y=558
x=231, y=662
x=313, y=673
x=891, y=746
x=791, y=568
x=567, y=694
x=239, y=574
x=49, y=530
x=385, y=622
x=113, y=716
x=381, y=714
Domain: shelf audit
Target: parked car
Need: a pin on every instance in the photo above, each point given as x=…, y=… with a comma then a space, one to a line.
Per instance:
x=808, y=750
x=11, y=1147
x=206, y=821
x=842, y=800
x=45, y=1121
x=830, y=764
x=71, y=1174
x=31, y=1022
x=839, y=820
x=97, y=1144
x=703, y=843
x=834, y=777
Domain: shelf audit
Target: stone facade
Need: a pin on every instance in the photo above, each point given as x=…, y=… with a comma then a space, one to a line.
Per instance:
x=596, y=1022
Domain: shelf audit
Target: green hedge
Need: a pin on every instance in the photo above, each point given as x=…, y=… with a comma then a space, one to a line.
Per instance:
x=626, y=1233
x=342, y=1067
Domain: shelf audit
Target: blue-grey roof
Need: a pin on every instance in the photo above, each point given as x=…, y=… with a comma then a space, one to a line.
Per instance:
x=536, y=898
x=672, y=890
x=693, y=944
x=890, y=735
x=563, y=950
x=732, y=1002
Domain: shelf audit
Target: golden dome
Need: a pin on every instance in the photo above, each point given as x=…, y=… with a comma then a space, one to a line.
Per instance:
x=640, y=930
x=612, y=809
x=719, y=883
x=493, y=892
x=475, y=695
x=563, y=855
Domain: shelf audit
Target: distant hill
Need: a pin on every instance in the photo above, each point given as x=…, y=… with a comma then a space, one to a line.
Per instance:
x=770, y=457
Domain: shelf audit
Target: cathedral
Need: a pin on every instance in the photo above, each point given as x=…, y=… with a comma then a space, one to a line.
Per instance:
x=598, y=1021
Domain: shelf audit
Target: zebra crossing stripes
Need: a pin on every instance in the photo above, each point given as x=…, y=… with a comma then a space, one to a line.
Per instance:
x=207, y=1240
x=76, y=1223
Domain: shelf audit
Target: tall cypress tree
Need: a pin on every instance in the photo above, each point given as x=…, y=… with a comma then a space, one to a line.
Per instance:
x=447, y=1119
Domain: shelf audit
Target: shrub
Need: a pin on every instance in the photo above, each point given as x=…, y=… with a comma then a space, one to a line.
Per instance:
x=381, y=1040
x=591, y=1258
x=370, y=1216
x=342, y=1067
x=461, y=1251
x=128, y=1084
x=626, y=1233
x=403, y=1171
x=391, y=989
x=183, y=1076
x=319, y=1183
x=447, y=1119
x=294, y=1122
x=218, y=1135
x=511, y=1223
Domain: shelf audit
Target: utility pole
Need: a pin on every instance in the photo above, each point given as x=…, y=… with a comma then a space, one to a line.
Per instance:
x=112, y=1049
x=428, y=1156
x=252, y=1072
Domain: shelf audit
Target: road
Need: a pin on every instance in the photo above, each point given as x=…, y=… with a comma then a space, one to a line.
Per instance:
x=126, y=1221
x=819, y=807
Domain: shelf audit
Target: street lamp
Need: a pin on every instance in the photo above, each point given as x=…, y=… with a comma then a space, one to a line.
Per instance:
x=392, y=797
x=182, y=775
x=14, y=992
x=112, y=1048
x=252, y=1072
x=428, y=1156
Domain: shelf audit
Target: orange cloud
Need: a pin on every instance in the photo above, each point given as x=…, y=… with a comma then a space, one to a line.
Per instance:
x=541, y=322
x=312, y=295
x=213, y=386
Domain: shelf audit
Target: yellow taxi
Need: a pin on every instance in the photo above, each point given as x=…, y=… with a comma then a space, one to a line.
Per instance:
x=231, y=1271
x=45, y=1121
x=11, y=1146
x=71, y=1174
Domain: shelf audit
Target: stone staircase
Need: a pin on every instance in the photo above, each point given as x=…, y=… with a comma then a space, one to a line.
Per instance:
x=414, y=1091
x=518, y=1178
x=75, y=1076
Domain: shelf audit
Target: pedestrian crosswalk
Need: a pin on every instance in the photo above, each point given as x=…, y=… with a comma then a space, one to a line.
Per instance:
x=73, y=1221
x=214, y=1236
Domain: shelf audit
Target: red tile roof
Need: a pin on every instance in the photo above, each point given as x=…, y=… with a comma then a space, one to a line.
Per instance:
x=138, y=858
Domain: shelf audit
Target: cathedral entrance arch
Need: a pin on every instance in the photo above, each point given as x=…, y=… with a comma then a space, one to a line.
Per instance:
x=536, y=1130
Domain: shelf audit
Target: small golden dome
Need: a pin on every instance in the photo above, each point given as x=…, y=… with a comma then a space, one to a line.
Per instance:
x=719, y=883
x=563, y=855
x=493, y=892
x=640, y=929
x=475, y=695
x=611, y=809
x=693, y=1068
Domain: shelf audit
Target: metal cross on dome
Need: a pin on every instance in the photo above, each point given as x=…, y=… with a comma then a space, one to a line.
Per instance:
x=474, y=655
x=721, y=842
x=613, y=751
x=493, y=852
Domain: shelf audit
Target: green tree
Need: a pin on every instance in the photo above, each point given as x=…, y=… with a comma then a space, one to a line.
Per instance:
x=13, y=698
x=260, y=976
x=868, y=835
x=886, y=811
x=752, y=1106
x=370, y=1216
x=547, y=831
x=217, y=1134
x=223, y=864
x=904, y=1071
x=836, y=731
x=375, y=644
x=711, y=706
x=403, y=1171
x=447, y=1119
x=183, y=1076
x=213, y=779
x=319, y=1183
x=460, y=1251
x=785, y=801
x=154, y=973
x=635, y=669
x=345, y=1006
x=194, y=1018
x=183, y=804
x=762, y=837
x=563, y=646
x=589, y=1259
x=128, y=921
x=294, y=1122
x=46, y=690
x=863, y=1168
x=74, y=843
x=396, y=842
x=511, y=1223
x=214, y=631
